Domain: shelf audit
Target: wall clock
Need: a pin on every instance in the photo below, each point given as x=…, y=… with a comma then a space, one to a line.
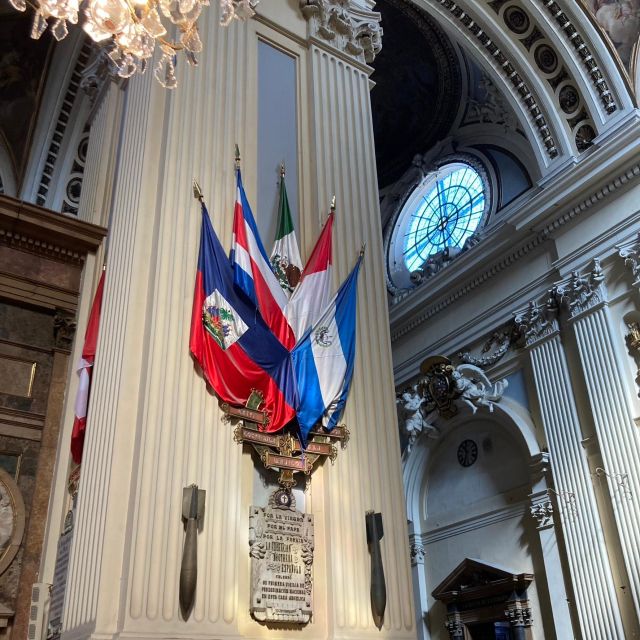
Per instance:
x=467, y=453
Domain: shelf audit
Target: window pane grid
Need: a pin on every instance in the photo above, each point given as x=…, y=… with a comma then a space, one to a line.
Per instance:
x=446, y=215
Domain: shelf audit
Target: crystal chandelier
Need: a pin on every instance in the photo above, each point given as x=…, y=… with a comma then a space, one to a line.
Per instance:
x=135, y=27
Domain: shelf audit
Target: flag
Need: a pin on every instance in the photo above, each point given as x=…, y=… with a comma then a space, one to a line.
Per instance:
x=252, y=271
x=323, y=360
x=311, y=296
x=285, y=257
x=85, y=371
x=231, y=342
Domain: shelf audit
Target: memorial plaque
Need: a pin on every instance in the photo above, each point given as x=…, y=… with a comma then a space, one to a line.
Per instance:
x=281, y=548
x=60, y=578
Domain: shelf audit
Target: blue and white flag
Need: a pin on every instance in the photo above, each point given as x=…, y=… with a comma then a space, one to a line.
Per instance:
x=323, y=360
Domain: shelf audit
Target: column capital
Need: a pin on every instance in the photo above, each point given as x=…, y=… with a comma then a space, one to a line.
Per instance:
x=630, y=253
x=541, y=510
x=345, y=25
x=454, y=626
x=582, y=291
x=518, y=615
x=417, y=551
x=539, y=320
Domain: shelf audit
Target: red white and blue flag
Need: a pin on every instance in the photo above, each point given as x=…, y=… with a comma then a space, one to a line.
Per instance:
x=237, y=351
x=252, y=271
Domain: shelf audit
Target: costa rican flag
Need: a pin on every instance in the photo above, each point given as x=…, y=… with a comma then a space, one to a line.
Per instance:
x=234, y=347
x=252, y=272
x=323, y=360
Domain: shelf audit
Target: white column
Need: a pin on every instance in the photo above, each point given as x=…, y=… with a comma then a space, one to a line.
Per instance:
x=585, y=297
x=153, y=426
x=419, y=583
x=595, y=600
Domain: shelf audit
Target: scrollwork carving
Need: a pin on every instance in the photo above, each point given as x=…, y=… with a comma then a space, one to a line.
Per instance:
x=538, y=320
x=582, y=291
x=351, y=29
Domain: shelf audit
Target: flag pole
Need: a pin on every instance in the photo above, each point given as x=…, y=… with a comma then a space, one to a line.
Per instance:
x=237, y=157
x=362, y=248
x=282, y=171
x=197, y=192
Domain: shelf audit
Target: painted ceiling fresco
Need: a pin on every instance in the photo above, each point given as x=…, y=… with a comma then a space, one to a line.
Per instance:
x=23, y=65
x=620, y=20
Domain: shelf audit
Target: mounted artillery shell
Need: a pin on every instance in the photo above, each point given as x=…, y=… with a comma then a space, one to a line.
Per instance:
x=378, y=585
x=192, y=511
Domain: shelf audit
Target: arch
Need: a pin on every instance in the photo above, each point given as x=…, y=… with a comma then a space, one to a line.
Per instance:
x=508, y=415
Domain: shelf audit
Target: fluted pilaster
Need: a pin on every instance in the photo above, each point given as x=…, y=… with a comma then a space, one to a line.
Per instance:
x=595, y=600
x=368, y=474
x=585, y=297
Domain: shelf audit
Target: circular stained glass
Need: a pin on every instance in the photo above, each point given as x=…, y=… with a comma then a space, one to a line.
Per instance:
x=448, y=209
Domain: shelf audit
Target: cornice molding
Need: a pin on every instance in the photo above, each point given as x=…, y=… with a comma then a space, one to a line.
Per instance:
x=54, y=235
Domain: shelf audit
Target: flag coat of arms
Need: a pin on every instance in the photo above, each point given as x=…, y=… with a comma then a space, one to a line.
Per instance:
x=323, y=360
x=252, y=270
x=285, y=257
x=236, y=350
x=311, y=297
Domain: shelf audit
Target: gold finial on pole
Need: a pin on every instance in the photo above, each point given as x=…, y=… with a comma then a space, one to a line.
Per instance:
x=362, y=248
x=237, y=156
x=333, y=204
x=282, y=171
x=197, y=191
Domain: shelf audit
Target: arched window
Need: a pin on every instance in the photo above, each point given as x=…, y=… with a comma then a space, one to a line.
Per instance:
x=446, y=209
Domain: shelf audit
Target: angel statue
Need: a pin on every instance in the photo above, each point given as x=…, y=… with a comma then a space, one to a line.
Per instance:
x=411, y=416
x=475, y=388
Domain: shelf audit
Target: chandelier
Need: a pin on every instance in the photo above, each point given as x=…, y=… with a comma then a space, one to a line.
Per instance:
x=135, y=27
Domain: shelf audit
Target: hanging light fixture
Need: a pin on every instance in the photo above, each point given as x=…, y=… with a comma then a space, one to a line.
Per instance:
x=135, y=28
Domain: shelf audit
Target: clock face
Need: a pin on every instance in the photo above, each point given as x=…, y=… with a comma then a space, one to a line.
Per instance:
x=467, y=453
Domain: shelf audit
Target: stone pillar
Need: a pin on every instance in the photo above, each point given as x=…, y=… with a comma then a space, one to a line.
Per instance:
x=519, y=617
x=595, y=600
x=153, y=427
x=585, y=298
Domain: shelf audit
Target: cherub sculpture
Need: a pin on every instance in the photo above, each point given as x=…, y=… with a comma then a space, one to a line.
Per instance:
x=475, y=388
x=412, y=417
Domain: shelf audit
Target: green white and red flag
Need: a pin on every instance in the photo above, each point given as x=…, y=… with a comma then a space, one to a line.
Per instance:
x=285, y=257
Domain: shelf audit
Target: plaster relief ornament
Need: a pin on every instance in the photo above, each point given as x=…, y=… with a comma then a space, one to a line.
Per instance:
x=582, y=291
x=12, y=520
x=475, y=388
x=412, y=417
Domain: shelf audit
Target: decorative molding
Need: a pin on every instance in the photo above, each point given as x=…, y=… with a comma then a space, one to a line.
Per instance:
x=543, y=54
x=64, y=117
x=542, y=513
x=64, y=329
x=519, y=616
x=633, y=342
x=630, y=253
x=417, y=553
x=539, y=320
x=73, y=189
x=581, y=292
x=350, y=29
x=501, y=340
x=509, y=70
x=582, y=49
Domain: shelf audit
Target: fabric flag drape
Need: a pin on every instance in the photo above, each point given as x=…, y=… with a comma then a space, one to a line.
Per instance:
x=285, y=257
x=85, y=371
x=323, y=360
x=311, y=297
x=229, y=339
x=252, y=272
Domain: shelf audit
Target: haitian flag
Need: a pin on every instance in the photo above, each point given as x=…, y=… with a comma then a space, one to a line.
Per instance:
x=231, y=342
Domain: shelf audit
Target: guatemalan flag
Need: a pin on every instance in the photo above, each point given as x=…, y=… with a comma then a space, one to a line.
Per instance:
x=252, y=272
x=234, y=347
x=323, y=360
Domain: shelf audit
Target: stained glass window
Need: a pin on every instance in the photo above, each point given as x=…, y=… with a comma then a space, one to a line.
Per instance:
x=448, y=212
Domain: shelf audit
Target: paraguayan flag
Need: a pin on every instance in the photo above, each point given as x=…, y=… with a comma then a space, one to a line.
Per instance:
x=323, y=360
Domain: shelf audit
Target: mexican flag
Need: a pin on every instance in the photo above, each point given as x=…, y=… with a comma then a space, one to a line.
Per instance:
x=285, y=257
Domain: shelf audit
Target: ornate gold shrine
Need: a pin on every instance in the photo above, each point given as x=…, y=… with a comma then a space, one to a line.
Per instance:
x=282, y=451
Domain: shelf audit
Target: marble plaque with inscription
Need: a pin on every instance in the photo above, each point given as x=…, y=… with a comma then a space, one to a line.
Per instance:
x=281, y=548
